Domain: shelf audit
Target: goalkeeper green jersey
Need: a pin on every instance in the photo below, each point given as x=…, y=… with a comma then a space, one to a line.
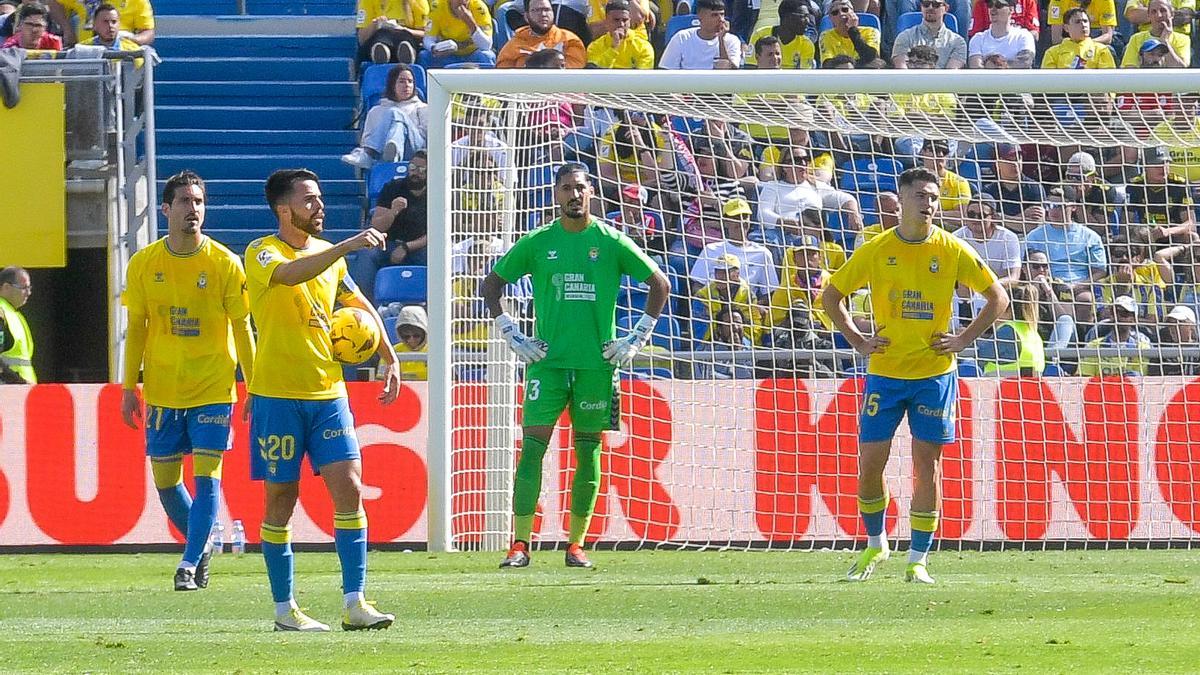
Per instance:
x=576, y=277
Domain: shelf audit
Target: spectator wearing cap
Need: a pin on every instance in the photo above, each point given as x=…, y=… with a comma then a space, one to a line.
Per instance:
x=1138, y=14
x=1123, y=335
x=412, y=335
x=847, y=37
x=8, y=7
x=709, y=46
x=1020, y=198
x=1102, y=16
x=1076, y=253
x=796, y=50
x=1160, y=46
x=1056, y=307
x=951, y=48
x=1161, y=200
x=956, y=190
x=1002, y=37
x=801, y=284
x=1025, y=14
x=1098, y=201
x=1078, y=49
x=757, y=266
x=31, y=26
x=728, y=289
x=620, y=46
x=1178, y=331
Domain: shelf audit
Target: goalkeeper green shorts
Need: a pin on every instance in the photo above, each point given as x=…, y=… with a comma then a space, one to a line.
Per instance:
x=589, y=395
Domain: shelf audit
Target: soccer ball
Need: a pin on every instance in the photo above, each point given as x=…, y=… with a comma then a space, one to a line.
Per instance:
x=354, y=334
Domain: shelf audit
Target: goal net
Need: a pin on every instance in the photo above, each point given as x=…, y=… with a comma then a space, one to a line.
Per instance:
x=738, y=425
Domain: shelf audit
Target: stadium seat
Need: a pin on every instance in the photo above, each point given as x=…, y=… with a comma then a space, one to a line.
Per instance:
x=870, y=174
x=868, y=204
x=678, y=23
x=968, y=368
x=389, y=328
x=380, y=175
x=909, y=19
x=864, y=19
x=374, y=81
x=1052, y=370
x=502, y=30
x=402, y=283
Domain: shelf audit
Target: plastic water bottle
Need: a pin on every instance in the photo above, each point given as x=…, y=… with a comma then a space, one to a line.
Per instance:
x=237, y=545
x=218, y=538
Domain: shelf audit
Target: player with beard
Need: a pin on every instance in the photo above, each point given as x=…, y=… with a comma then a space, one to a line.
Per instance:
x=297, y=395
x=186, y=299
x=576, y=263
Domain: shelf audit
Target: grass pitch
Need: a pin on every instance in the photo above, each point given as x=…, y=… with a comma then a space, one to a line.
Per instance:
x=1119, y=611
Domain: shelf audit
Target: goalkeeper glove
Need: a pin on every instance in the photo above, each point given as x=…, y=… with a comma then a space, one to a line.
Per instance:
x=621, y=351
x=529, y=350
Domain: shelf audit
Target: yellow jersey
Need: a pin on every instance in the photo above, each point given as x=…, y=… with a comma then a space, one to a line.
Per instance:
x=628, y=168
x=410, y=13
x=742, y=301
x=295, y=354
x=187, y=303
x=445, y=26
x=1178, y=4
x=793, y=293
x=597, y=12
x=1087, y=53
x=833, y=44
x=1103, y=13
x=797, y=54
x=1184, y=146
x=1180, y=42
x=136, y=16
x=634, y=53
x=911, y=288
x=413, y=371
x=956, y=191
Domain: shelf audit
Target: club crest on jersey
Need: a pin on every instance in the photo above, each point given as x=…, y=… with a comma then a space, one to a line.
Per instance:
x=159, y=277
x=202, y=280
x=593, y=253
x=933, y=265
x=891, y=261
x=552, y=255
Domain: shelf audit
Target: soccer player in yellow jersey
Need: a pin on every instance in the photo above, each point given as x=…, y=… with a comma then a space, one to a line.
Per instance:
x=186, y=299
x=911, y=272
x=297, y=394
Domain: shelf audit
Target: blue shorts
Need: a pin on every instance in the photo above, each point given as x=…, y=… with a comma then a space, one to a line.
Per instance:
x=931, y=405
x=284, y=430
x=172, y=433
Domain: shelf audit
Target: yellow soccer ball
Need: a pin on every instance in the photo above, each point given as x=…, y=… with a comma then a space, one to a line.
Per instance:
x=354, y=334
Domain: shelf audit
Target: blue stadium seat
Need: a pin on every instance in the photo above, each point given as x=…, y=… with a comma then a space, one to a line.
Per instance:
x=502, y=31
x=402, y=283
x=868, y=204
x=968, y=368
x=380, y=175
x=389, y=328
x=678, y=23
x=864, y=19
x=870, y=174
x=1052, y=370
x=666, y=334
x=909, y=19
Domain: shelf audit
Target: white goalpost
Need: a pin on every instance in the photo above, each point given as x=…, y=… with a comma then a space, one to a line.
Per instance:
x=738, y=426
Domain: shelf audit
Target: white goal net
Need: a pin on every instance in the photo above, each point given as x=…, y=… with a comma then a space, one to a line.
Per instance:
x=738, y=426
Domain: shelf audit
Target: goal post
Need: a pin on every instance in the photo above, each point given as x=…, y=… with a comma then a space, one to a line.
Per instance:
x=740, y=431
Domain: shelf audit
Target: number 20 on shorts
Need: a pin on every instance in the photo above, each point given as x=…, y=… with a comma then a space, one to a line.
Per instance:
x=274, y=448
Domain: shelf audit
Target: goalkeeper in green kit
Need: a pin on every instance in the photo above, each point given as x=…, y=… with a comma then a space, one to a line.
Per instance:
x=576, y=262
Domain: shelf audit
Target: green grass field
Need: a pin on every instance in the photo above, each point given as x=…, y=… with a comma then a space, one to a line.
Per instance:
x=1122, y=611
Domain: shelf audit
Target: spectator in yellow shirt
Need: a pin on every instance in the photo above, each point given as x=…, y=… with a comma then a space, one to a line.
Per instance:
x=137, y=19
x=847, y=38
x=1102, y=13
x=641, y=18
x=458, y=31
x=1078, y=50
x=620, y=47
x=796, y=50
x=390, y=31
x=1161, y=46
x=412, y=331
x=956, y=191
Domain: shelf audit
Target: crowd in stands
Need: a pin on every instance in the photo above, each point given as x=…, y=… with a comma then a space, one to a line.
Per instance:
x=1097, y=244
x=121, y=25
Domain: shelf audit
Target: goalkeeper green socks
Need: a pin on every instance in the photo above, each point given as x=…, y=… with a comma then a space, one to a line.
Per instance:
x=527, y=485
x=586, y=485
